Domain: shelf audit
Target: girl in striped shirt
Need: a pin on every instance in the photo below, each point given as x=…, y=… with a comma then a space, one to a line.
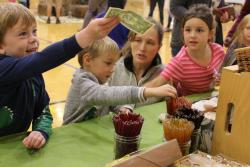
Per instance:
x=194, y=68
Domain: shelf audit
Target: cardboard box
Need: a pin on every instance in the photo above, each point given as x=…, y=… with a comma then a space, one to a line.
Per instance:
x=231, y=134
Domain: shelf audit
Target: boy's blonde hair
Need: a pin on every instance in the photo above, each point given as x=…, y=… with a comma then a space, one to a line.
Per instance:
x=102, y=46
x=238, y=36
x=10, y=14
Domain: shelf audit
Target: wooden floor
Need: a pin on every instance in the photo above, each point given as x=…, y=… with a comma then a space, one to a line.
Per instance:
x=58, y=80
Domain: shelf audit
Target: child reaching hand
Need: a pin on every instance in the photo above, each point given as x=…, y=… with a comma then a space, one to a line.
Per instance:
x=23, y=98
x=194, y=67
x=89, y=97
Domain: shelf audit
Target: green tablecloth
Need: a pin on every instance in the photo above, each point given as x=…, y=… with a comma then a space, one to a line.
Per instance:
x=89, y=143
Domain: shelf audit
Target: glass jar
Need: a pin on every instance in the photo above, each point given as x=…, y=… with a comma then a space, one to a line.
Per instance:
x=195, y=138
x=184, y=147
x=125, y=145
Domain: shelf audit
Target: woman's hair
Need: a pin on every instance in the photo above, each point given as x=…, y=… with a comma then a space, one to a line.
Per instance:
x=10, y=14
x=201, y=11
x=102, y=46
x=131, y=36
x=238, y=35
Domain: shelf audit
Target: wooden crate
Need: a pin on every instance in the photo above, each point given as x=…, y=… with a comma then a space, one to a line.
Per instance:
x=234, y=89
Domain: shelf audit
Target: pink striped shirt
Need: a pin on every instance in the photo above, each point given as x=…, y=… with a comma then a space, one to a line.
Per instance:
x=192, y=77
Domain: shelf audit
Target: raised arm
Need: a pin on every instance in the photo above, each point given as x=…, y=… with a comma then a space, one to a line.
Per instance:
x=14, y=69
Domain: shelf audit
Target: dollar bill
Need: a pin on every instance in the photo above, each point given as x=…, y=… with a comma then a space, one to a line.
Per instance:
x=113, y=12
x=130, y=19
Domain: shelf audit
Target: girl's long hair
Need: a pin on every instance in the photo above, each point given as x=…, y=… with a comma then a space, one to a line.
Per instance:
x=238, y=36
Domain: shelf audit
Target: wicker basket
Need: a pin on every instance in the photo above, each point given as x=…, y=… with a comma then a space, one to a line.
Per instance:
x=243, y=58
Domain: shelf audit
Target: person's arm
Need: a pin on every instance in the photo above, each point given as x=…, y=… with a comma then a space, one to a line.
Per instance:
x=172, y=74
x=158, y=81
x=43, y=123
x=244, y=11
x=94, y=94
x=14, y=69
x=230, y=57
x=161, y=91
x=42, y=119
x=40, y=131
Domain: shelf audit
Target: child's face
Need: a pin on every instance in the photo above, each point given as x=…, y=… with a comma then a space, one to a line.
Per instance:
x=246, y=33
x=145, y=47
x=102, y=66
x=196, y=34
x=20, y=40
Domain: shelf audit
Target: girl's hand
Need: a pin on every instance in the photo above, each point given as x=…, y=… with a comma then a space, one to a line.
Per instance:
x=34, y=140
x=96, y=29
